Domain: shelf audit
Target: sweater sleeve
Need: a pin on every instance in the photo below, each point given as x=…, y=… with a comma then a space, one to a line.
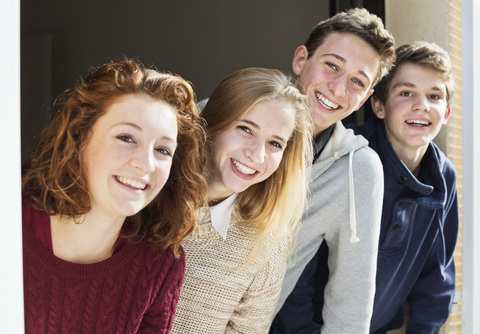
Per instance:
x=432, y=294
x=255, y=311
x=349, y=292
x=159, y=316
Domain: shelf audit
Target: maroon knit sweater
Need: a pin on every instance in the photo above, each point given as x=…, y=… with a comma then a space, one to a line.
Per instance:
x=134, y=291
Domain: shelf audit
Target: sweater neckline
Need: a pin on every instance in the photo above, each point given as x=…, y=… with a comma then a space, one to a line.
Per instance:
x=47, y=259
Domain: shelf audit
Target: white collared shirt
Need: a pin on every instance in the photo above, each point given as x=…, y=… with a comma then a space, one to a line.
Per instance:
x=219, y=214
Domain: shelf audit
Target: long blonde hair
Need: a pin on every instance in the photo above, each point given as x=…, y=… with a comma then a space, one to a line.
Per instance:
x=274, y=206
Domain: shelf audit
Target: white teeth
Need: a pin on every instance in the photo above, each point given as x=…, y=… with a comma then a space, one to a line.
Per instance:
x=242, y=168
x=131, y=183
x=326, y=103
x=415, y=122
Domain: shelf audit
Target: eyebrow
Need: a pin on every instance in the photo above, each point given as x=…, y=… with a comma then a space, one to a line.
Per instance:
x=343, y=60
x=133, y=125
x=411, y=85
x=255, y=125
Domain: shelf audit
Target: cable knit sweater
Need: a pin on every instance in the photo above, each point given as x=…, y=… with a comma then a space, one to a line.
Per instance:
x=220, y=294
x=134, y=291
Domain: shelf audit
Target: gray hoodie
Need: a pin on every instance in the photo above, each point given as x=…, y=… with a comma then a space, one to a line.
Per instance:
x=344, y=209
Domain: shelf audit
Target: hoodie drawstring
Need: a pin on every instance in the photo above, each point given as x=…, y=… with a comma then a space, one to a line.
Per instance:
x=353, y=217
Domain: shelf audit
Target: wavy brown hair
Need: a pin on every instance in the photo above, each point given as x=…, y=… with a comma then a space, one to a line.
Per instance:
x=425, y=54
x=55, y=179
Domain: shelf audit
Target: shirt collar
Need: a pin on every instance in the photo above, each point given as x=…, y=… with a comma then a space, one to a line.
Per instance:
x=321, y=141
x=220, y=215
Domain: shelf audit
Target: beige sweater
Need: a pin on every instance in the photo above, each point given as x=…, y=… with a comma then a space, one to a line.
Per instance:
x=219, y=294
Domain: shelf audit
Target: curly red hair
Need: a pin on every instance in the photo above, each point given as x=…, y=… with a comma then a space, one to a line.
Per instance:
x=55, y=179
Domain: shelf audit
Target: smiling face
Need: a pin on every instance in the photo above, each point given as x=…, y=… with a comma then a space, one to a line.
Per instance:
x=250, y=150
x=337, y=78
x=128, y=157
x=415, y=109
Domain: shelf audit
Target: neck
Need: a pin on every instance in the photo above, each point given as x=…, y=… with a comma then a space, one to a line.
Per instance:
x=85, y=240
x=217, y=191
x=216, y=195
x=412, y=159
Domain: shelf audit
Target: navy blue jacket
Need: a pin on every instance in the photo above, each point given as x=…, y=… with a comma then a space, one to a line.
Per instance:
x=415, y=261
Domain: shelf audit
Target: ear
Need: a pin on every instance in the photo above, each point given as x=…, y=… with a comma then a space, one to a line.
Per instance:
x=447, y=115
x=299, y=59
x=378, y=107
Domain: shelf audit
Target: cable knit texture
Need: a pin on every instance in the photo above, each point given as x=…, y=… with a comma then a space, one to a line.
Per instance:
x=222, y=295
x=134, y=291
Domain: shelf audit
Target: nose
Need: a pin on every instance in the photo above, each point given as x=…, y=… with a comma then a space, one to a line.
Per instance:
x=421, y=103
x=256, y=152
x=143, y=160
x=338, y=87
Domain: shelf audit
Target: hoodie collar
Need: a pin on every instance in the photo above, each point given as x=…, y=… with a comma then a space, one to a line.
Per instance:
x=322, y=140
x=342, y=142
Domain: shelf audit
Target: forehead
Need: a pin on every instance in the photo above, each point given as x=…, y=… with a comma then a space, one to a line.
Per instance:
x=417, y=75
x=343, y=41
x=275, y=115
x=354, y=51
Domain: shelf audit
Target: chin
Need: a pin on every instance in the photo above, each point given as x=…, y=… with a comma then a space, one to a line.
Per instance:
x=131, y=210
x=238, y=188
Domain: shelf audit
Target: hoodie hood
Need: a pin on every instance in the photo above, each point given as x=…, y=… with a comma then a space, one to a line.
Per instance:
x=342, y=142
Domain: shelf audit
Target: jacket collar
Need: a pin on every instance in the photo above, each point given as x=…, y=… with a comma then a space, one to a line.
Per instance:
x=430, y=173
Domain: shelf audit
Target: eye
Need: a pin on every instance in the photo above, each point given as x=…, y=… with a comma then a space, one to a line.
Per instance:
x=276, y=144
x=358, y=82
x=244, y=128
x=126, y=138
x=333, y=66
x=435, y=97
x=164, y=151
x=406, y=93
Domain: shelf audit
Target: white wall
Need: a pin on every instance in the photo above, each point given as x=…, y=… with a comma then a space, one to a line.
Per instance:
x=11, y=278
x=471, y=166
x=410, y=20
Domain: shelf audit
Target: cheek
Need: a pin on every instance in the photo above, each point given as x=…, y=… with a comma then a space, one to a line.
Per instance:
x=221, y=149
x=274, y=162
x=164, y=169
x=308, y=78
x=162, y=174
x=217, y=156
x=91, y=168
x=358, y=97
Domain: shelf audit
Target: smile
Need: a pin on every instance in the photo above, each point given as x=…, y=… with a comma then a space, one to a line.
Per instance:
x=131, y=183
x=243, y=169
x=418, y=123
x=326, y=102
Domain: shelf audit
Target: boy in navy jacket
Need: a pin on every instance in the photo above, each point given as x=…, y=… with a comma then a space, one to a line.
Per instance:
x=420, y=209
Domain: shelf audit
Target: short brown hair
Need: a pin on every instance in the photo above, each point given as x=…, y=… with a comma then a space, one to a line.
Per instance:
x=359, y=22
x=55, y=179
x=425, y=54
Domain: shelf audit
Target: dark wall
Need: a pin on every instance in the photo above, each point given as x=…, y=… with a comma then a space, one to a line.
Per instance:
x=202, y=41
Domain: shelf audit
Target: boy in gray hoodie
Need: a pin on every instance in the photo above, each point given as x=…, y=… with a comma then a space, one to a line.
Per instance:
x=337, y=67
